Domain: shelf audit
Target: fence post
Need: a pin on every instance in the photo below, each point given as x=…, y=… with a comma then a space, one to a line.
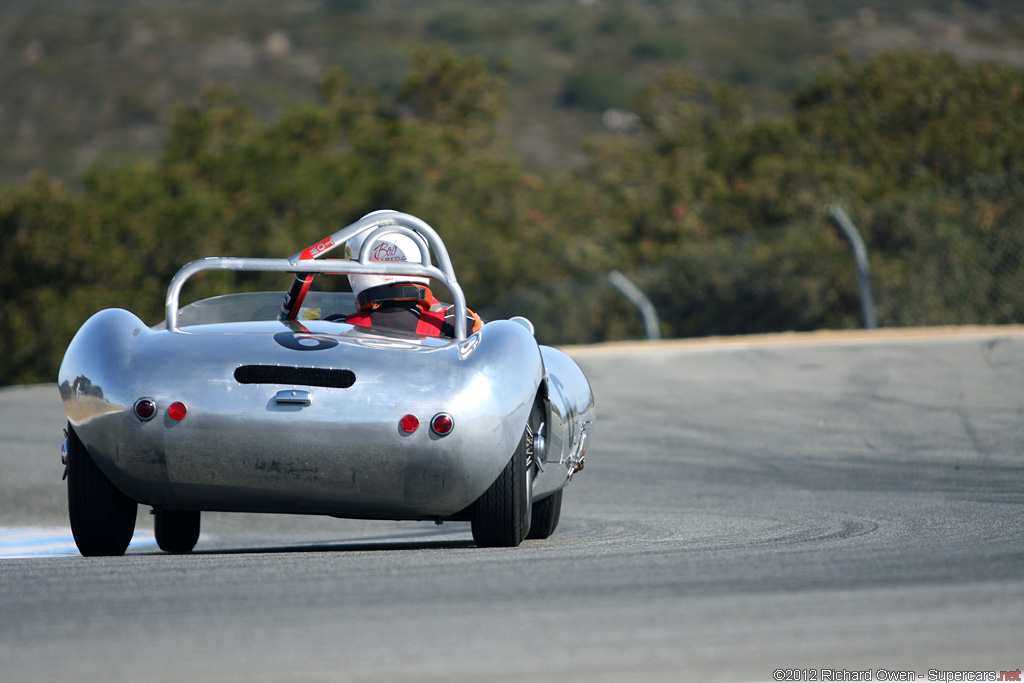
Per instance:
x=640, y=300
x=860, y=255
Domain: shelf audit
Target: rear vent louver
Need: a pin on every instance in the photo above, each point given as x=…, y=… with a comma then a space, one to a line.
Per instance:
x=313, y=377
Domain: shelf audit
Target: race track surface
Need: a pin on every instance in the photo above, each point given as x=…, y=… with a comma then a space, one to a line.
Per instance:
x=828, y=504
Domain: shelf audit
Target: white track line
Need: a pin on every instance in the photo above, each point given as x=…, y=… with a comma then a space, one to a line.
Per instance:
x=52, y=542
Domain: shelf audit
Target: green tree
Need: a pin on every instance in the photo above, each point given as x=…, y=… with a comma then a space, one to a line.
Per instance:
x=717, y=215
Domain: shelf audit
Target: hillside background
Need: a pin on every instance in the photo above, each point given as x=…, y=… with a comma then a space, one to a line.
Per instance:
x=691, y=144
x=96, y=81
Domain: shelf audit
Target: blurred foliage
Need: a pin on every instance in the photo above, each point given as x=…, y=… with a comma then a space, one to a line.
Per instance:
x=595, y=88
x=96, y=81
x=716, y=213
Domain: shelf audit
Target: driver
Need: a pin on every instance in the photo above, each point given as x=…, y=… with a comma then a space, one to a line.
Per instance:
x=399, y=302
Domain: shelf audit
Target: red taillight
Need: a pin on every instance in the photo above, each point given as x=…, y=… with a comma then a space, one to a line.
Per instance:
x=145, y=409
x=409, y=424
x=442, y=423
x=177, y=410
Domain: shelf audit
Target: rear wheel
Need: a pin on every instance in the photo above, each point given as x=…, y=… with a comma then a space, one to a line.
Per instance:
x=545, y=515
x=176, y=531
x=502, y=515
x=102, y=518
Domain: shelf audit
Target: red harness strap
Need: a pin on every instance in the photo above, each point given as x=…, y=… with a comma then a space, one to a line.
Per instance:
x=361, y=319
x=429, y=323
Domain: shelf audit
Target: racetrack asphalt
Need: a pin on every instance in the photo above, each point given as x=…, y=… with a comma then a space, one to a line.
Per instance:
x=819, y=504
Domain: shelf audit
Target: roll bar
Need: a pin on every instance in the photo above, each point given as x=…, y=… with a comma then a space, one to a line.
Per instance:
x=304, y=265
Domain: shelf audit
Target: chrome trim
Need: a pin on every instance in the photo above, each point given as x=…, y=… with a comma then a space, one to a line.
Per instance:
x=135, y=409
x=64, y=455
x=525, y=323
x=434, y=419
x=333, y=266
x=293, y=397
x=377, y=223
x=536, y=445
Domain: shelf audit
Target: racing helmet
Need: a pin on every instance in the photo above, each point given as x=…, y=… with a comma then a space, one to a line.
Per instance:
x=387, y=247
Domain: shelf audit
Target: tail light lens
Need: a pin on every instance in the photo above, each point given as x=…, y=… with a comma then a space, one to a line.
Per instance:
x=442, y=424
x=145, y=409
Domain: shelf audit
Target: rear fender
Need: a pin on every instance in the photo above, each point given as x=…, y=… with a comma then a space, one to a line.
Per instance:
x=569, y=414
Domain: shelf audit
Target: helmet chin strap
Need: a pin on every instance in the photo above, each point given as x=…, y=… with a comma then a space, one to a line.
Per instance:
x=401, y=291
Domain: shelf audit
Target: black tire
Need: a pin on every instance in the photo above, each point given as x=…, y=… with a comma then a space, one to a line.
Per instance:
x=502, y=515
x=102, y=518
x=176, y=531
x=546, y=513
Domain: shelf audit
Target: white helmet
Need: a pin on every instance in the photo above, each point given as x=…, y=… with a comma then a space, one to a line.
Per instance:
x=387, y=247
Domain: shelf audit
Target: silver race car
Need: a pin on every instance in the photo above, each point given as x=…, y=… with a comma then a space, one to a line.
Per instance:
x=256, y=402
